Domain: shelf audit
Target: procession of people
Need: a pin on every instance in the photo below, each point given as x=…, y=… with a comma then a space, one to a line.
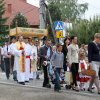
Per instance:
x=23, y=58
x=20, y=59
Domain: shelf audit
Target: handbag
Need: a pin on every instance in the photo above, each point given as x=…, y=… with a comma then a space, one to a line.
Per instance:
x=68, y=77
x=89, y=72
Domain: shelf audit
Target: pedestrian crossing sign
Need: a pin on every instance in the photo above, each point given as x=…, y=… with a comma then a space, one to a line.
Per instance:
x=58, y=25
x=59, y=34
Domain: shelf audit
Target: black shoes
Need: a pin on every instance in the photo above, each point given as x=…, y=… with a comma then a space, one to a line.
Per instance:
x=37, y=77
x=68, y=86
x=90, y=90
x=56, y=90
x=22, y=83
x=99, y=92
x=31, y=79
x=27, y=81
x=7, y=78
x=47, y=86
x=15, y=79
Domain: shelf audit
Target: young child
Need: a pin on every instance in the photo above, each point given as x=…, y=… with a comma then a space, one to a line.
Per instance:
x=82, y=66
x=57, y=63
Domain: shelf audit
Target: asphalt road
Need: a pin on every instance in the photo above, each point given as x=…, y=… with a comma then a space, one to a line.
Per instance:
x=12, y=92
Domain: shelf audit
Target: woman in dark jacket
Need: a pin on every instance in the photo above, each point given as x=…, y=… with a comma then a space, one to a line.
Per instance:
x=65, y=50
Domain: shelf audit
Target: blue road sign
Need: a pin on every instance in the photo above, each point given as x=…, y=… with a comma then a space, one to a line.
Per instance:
x=58, y=25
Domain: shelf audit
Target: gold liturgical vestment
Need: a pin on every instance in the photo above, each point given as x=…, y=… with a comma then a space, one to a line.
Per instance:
x=21, y=46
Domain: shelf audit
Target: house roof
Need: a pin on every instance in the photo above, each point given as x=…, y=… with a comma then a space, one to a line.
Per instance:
x=29, y=11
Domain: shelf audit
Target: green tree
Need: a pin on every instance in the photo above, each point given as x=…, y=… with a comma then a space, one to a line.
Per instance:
x=70, y=9
x=3, y=28
x=54, y=11
x=85, y=29
x=19, y=20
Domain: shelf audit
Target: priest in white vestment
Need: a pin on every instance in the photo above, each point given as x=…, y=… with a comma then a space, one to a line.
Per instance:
x=20, y=60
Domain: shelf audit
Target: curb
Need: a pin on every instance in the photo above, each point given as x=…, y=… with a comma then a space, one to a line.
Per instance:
x=19, y=85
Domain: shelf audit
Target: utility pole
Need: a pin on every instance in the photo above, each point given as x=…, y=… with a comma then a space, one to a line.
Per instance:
x=43, y=9
x=51, y=23
x=42, y=14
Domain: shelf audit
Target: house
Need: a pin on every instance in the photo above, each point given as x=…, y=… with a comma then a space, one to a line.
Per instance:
x=13, y=7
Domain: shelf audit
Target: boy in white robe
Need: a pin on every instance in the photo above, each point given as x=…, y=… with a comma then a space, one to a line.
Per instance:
x=28, y=50
x=33, y=73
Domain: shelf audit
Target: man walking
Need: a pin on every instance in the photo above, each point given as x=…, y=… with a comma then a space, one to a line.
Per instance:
x=7, y=57
x=45, y=54
x=94, y=60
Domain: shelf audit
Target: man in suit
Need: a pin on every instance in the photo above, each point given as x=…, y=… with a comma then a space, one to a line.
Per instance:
x=45, y=54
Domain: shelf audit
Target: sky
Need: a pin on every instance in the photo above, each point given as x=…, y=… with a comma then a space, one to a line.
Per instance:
x=93, y=7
